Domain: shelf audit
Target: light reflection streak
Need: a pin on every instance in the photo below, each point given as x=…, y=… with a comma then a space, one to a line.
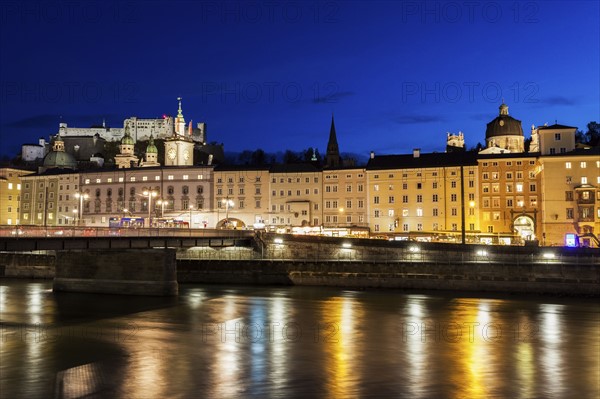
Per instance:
x=416, y=340
x=551, y=337
x=338, y=333
x=472, y=354
x=278, y=354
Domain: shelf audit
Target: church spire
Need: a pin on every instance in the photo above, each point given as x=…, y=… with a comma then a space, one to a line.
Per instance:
x=179, y=112
x=332, y=158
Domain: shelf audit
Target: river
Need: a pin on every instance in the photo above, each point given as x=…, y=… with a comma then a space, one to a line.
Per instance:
x=283, y=342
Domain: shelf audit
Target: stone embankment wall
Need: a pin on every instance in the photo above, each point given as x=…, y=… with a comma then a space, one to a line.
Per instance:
x=405, y=265
x=28, y=265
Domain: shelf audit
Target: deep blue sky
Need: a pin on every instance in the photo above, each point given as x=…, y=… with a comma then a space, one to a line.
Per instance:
x=397, y=75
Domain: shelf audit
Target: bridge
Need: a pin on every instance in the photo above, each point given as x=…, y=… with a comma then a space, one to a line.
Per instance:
x=23, y=239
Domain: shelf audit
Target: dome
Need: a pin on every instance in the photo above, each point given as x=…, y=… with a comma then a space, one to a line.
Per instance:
x=127, y=139
x=504, y=125
x=151, y=149
x=59, y=159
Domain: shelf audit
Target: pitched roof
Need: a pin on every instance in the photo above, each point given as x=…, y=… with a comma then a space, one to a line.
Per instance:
x=428, y=160
x=556, y=126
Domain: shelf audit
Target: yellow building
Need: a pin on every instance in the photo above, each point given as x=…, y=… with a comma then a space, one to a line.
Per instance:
x=420, y=196
x=345, y=198
x=510, y=194
x=50, y=198
x=241, y=196
x=570, y=186
x=10, y=195
x=295, y=196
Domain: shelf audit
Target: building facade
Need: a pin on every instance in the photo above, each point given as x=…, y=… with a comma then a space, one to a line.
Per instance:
x=241, y=196
x=10, y=195
x=423, y=195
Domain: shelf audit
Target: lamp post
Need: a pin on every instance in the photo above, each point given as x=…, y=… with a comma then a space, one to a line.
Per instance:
x=75, y=212
x=228, y=203
x=81, y=197
x=150, y=194
x=191, y=207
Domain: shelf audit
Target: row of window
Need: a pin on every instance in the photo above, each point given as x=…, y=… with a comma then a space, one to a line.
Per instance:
x=582, y=165
x=419, y=185
x=419, y=212
x=419, y=198
x=471, y=172
x=144, y=178
x=241, y=180
x=507, y=163
x=334, y=177
x=282, y=193
x=419, y=227
x=509, y=175
x=334, y=188
x=508, y=187
x=241, y=191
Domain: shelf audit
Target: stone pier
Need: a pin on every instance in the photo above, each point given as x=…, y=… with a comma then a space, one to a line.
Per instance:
x=123, y=271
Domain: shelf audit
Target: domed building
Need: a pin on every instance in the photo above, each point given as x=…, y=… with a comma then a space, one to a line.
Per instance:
x=151, y=154
x=58, y=158
x=127, y=158
x=504, y=134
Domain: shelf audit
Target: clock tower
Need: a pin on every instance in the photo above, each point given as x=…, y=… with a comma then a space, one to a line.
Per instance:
x=179, y=148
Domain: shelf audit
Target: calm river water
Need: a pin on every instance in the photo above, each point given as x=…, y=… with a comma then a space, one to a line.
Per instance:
x=285, y=342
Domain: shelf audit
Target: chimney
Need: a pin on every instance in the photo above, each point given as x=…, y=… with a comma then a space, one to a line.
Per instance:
x=372, y=154
x=416, y=153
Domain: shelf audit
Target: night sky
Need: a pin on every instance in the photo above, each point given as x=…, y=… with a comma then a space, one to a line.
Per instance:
x=396, y=75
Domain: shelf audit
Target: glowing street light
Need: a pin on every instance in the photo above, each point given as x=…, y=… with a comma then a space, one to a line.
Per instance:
x=150, y=194
x=81, y=197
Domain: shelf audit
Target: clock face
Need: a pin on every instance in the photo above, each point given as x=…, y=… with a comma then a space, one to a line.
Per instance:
x=172, y=153
x=501, y=123
x=186, y=155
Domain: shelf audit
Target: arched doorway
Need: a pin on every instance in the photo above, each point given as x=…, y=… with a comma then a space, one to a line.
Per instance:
x=231, y=223
x=525, y=227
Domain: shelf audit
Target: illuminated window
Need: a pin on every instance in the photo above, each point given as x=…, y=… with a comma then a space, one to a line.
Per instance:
x=583, y=165
x=519, y=187
x=419, y=211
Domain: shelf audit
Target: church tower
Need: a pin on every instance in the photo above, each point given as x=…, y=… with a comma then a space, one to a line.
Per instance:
x=127, y=158
x=332, y=158
x=179, y=148
x=151, y=154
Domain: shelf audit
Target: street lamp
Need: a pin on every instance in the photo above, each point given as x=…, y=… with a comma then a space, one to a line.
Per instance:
x=191, y=207
x=150, y=194
x=228, y=203
x=81, y=197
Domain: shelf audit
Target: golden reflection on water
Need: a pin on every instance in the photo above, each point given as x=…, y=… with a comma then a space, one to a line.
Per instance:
x=416, y=344
x=473, y=375
x=551, y=338
x=338, y=332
